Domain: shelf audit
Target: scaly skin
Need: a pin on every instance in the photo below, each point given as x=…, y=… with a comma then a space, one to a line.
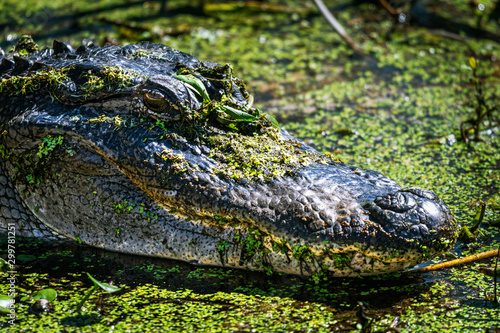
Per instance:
x=97, y=154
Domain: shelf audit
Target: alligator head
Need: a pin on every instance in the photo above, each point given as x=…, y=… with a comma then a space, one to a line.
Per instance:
x=146, y=150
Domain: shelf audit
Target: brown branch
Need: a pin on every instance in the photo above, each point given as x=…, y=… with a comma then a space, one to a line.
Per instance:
x=456, y=262
x=337, y=26
x=388, y=7
x=447, y=34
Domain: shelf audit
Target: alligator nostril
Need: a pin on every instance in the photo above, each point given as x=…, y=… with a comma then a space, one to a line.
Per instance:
x=421, y=193
x=398, y=202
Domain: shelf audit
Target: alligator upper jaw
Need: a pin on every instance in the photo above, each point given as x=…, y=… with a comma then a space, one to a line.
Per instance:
x=332, y=202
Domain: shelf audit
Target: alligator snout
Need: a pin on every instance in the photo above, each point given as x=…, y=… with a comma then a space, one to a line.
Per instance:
x=413, y=212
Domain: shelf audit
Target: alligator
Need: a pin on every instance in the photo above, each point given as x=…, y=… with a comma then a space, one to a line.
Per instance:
x=147, y=150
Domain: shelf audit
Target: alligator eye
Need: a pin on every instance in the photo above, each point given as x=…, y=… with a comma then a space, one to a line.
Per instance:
x=154, y=101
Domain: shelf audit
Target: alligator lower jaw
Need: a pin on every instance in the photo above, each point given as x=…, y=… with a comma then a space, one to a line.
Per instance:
x=351, y=263
x=346, y=264
x=263, y=253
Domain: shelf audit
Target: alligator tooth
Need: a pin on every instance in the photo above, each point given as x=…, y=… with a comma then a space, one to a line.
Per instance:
x=20, y=65
x=60, y=47
x=6, y=66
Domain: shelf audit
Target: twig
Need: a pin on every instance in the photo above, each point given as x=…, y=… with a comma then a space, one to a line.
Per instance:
x=337, y=26
x=448, y=34
x=456, y=262
x=388, y=7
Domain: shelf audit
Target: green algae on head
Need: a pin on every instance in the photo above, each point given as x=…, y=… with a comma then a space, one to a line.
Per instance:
x=90, y=84
x=259, y=157
x=44, y=80
x=108, y=79
x=25, y=45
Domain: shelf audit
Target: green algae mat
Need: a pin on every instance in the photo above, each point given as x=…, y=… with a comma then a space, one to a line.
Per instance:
x=406, y=108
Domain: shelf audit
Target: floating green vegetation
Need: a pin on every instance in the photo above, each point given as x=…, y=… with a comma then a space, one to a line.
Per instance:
x=228, y=297
x=97, y=284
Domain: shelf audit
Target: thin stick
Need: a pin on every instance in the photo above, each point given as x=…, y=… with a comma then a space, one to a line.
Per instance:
x=456, y=262
x=337, y=26
x=388, y=7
